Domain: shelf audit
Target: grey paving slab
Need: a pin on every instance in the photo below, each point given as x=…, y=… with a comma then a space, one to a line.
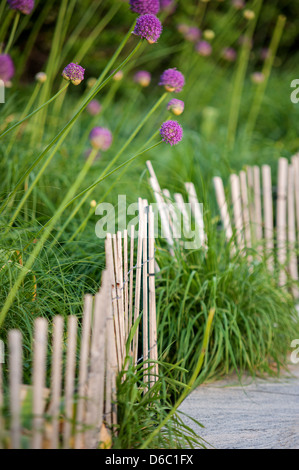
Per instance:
x=259, y=414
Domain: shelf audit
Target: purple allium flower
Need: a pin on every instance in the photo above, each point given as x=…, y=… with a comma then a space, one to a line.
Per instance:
x=176, y=106
x=257, y=77
x=100, y=138
x=171, y=132
x=94, y=107
x=229, y=54
x=144, y=7
x=143, y=78
x=172, y=80
x=168, y=6
x=24, y=6
x=193, y=34
x=148, y=27
x=203, y=48
x=74, y=73
x=7, y=69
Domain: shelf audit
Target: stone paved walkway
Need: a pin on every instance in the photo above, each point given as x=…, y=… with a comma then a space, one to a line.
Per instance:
x=261, y=414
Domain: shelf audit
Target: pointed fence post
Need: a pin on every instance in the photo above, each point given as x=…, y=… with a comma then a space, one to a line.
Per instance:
x=56, y=379
x=15, y=381
x=281, y=225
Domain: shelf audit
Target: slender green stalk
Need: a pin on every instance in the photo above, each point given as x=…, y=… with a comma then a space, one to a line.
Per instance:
x=51, y=68
x=2, y=7
x=89, y=13
x=99, y=180
x=190, y=383
x=88, y=194
x=238, y=83
x=12, y=33
x=45, y=232
x=260, y=91
x=33, y=112
x=59, y=139
x=4, y=27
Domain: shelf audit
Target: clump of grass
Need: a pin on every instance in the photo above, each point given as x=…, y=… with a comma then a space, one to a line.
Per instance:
x=254, y=321
x=142, y=410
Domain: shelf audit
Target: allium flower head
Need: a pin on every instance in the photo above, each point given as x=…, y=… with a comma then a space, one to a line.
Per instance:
x=74, y=73
x=193, y=34
x=172, y=80
x=41, y=77
x=176, y=106
x=229, y=54
x=203, y=48
x=257, y=77
x=24, y=6
x=100, y=138
x=171, y=132
x=148, y=27
x=94, y=108
x=143, y=7
x=7, y=69
x=143, y=78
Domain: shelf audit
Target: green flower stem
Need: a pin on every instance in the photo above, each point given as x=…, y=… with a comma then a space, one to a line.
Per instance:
x=12, y=33
x=98, y=181
x=191, y=382
x=261, y=88
x=47, y=229
x=2, y=7
x=33, y=112
x=59, y=139
x=38, y=23
x=51, y=65
x=124, y=116
x=88, y=194
x=4, y=27
x=238, y=83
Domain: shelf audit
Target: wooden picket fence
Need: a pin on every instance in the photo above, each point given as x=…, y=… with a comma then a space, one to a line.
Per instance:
x=78, y=408
x=173, y=212
x=260, y=221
